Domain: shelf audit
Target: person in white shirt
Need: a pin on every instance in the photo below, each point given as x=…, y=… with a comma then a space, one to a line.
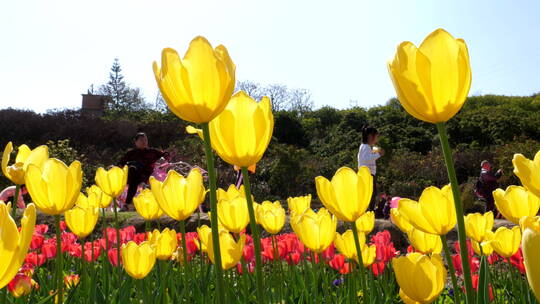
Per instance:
x=368, y=154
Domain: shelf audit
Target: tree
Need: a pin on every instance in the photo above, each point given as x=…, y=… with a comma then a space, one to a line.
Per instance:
x=120, y=96
x=282, y=97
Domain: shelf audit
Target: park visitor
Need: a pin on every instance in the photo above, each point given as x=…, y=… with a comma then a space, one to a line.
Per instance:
x=368, y=154
x=486, y=184
x=140, y=161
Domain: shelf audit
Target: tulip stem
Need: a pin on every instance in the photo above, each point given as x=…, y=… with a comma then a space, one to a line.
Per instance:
x=255, y=234
x=59, y=287
x=15, y=201
x=451, y=269
x=359, y=255
x=213, y=217
x=117, y=227
x=447, y=152
x=184, y=245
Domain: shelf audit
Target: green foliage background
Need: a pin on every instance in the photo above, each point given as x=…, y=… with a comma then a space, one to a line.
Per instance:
x=306, y=144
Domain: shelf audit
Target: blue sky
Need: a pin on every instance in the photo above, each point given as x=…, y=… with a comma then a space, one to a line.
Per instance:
x=52, y=51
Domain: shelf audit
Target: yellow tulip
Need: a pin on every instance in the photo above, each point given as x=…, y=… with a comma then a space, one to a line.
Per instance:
x=366, y=222
x=478, y=225
x=506, y=241
x=241, y=133
x=485, y=247
x=165, y=243
x=24, y=158
x=177, y=196
x=271, y=216
x=54, y=187
x=516, y=202
x=138, y=259
x=113, y=181
x=199, y=86
x=433, y=80
x=528, y=172
x=401, y=221
x=81, y=220
x=530, y=245
x=299, y=204
x=345, y=244
x=231, y=251
x=233, y=214
x=420, y=277
x=147, y=206
x=348, y=195
x=103, y=198
x=92, y=200
x=14, y=243
x=426, y=243
x=232, y=192
x=205, y=236
x=434, y=212
x=315, y=230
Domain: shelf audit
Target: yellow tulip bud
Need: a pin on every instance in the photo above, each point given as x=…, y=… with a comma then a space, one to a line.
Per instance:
x=477, y=225
x=231, y=192
x=366, y=222
x=205, y=236
x=241, y=133
x=198, y=87
x=14, y=243
x=348, y=195
x=506, y=241
x=530, y=244
x=401, y=221
x=315, y=230
x=420, y=277
x=103, y=199
x=345, y=244
x=113, y=181
x=24, y=158
x=484, y=247
x=54, y=187
x=233, y=214
x=90, y=201
x=81, y=220
x=516, y=202
x=299, y=204
x=271, y=216
x=231, y=251
x=433, y=80
x=528, y=172
x=165, y=243
x=138, y=259
x=177, y=196
x=434, y=212
x=147, y=206
x=426, y=243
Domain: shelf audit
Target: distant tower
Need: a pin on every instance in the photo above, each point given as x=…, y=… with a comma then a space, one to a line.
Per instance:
x=93, y=105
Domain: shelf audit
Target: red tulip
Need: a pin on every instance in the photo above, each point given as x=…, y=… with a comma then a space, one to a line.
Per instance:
x=37, y=241
x=35, y=259
x=113, y=256
x=339, y=264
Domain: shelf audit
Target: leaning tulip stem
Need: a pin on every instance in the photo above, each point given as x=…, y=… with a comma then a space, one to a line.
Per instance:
x=254, y=234
x=59, y=287
x=184, y=245
x=359, y=254
x=117, y=227
x=213, y=217
x=15, y=201
x=451, y=269
x=447, y=152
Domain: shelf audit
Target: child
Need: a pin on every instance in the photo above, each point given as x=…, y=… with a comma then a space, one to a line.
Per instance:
x=368, y=154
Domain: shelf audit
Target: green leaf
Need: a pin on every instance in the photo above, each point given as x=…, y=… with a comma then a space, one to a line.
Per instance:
x=483, y=283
